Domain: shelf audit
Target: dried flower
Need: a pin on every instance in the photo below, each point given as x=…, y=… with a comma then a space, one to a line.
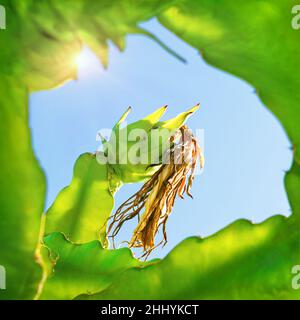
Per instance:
x=157, y=196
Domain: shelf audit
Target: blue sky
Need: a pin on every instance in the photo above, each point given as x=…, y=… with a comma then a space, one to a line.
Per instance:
x=246, y=148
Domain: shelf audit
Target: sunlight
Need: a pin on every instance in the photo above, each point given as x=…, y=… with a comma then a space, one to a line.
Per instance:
x=87, y=63
x=82, y=60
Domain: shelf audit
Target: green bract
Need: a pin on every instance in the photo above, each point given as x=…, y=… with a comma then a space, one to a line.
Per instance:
x=135, y=147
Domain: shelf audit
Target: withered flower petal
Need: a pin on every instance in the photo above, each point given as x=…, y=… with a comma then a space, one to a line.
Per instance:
x=157, y=196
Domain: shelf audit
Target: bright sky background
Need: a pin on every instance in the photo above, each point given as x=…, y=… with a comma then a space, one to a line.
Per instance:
x=246, y=149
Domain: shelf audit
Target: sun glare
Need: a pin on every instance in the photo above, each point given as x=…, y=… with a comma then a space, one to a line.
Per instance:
x=82, y=60
x=87, y=63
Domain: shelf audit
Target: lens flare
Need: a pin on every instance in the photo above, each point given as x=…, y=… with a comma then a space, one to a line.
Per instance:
x=87, y=63
x=82, y=60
